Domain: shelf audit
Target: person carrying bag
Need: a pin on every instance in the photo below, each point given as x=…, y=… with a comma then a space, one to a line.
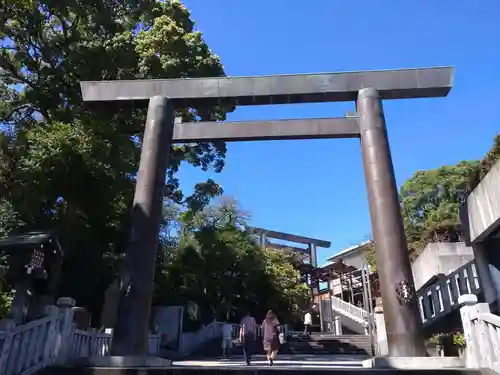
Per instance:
x=271, y=336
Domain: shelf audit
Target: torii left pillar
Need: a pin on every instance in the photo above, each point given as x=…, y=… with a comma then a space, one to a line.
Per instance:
x=131, y=331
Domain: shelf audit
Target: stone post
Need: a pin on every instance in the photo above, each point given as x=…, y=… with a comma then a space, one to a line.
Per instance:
x=403, y=324
x=337, y=326
x=66, y=331
x=19, y=307
x=476, y=344
x=382, y=348
x=467, y=302
x=263, y=240
x=52, y=343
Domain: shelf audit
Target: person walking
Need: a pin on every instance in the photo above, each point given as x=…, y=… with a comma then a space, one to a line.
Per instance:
x=307, y=322
x=227, y=336
x=270, y=336
x=247, y=336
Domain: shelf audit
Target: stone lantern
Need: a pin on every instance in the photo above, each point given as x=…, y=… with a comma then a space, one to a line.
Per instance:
x=34, y=259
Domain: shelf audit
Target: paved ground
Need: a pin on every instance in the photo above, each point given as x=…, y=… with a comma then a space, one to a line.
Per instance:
x=284, y=360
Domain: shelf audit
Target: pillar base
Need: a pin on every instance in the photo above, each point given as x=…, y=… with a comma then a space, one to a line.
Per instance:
x=415, y=363
x=122, y=362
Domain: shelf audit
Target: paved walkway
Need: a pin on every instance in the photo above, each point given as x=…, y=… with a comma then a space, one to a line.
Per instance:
x=283, y=361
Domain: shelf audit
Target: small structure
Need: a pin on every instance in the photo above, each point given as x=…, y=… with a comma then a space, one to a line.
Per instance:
x=343, y=272
x=352, y=256
x=34, y=259
x=347, y=286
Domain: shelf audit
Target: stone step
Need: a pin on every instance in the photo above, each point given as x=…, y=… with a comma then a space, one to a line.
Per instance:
x=358, y=341
x=327, y=344
x=238, y=370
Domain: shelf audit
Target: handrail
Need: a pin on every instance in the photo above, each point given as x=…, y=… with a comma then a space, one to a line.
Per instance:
x=354, y=312
x=481, y=333
x=489, y=318
x=29, y=347
x=441, y=298
x=191, y=340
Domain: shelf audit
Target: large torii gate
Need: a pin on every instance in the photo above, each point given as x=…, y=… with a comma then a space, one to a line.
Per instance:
x=367, y=89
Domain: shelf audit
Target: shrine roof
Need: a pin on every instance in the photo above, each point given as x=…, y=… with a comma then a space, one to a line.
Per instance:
x=348, y=251
x=29, y=239
x=338, y=267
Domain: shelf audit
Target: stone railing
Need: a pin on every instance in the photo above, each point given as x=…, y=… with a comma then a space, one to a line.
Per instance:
x=90, y=344
x=481, y=332
x=354, y=312
x=441, y=298
x=192, y=340
x=27, y=348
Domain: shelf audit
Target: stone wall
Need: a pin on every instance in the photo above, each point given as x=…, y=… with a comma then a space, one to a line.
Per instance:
x=483, y=205
x=440, y=258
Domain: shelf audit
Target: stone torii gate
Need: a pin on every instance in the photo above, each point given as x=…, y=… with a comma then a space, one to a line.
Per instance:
x=367, y=89
x=311, y=243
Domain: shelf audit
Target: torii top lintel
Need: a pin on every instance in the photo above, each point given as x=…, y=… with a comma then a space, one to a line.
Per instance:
x=278, y=89
x=291, y=237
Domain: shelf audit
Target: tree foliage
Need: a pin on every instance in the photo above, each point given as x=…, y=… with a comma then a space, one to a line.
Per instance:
x=68, y=167
x=485, y=165
x=221, y=267
x=369, y=251
x=431, y=202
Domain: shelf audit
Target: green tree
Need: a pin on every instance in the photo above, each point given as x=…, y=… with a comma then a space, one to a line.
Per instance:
x=488, y=161
x=289, y=296
x=431, y=203
x=70, y=167
x=220, y=266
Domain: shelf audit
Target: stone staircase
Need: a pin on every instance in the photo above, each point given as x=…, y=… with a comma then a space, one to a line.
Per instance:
x=326, y=343
x=314, y=344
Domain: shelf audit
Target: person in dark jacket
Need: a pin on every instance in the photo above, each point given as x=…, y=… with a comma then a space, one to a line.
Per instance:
x=248, y=329
x=270, y=336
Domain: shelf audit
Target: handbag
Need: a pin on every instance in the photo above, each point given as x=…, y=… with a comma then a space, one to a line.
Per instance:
x=281, y=337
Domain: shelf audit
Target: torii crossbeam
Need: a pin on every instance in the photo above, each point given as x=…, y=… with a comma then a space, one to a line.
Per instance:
x=367, y=89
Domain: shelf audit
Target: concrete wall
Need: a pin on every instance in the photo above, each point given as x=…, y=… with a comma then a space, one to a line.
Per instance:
x=440, y=258
x=483, y=205
x=356, y=259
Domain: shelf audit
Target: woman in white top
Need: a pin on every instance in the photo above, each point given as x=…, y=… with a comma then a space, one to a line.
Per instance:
x=307, y=322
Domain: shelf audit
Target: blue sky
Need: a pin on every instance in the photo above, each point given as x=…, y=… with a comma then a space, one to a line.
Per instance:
x=316, y=188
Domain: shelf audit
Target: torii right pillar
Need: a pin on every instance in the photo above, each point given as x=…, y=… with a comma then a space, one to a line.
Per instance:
x=402, y=319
